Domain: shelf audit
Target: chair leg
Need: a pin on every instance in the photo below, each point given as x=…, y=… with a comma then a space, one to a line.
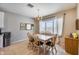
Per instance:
x=38, y=50
x=34, y=48
x=52, y=51
x=28, y=45
x=55, y=50
x=31, y=45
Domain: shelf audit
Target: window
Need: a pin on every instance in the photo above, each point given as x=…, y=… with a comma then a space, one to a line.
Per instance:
x=60, y=25
x=49, y=27
x=53, y=26
x=42, y=26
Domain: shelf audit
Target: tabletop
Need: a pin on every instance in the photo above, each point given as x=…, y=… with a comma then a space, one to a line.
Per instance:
x=44, y=37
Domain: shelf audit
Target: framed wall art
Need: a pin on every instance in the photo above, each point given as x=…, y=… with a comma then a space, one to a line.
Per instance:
x=22, y=26
x=26, y=26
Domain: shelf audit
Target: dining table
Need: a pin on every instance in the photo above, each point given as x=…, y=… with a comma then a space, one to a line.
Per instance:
x=43, y=38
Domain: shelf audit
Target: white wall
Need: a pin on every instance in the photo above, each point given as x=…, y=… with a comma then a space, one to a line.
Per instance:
x=12, y=24
x=1, y=19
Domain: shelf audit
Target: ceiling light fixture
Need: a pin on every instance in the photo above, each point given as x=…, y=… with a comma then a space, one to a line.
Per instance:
x=38, y=17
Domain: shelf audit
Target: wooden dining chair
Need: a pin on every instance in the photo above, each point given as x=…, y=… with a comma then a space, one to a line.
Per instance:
x=51, y=44
x=37, y=43
x=31, y=40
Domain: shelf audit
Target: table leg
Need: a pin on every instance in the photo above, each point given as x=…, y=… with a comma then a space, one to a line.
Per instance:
x=44, y=48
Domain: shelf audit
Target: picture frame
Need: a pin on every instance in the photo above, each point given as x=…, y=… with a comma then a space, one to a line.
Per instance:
x=26, y=26
x=22, y=26
x=77, y=24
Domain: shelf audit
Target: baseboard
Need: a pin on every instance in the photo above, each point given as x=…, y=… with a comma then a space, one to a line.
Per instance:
x=18, y=41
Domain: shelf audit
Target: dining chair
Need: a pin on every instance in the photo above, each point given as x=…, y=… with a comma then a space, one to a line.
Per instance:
x=51, y=44
x=37, y=43
x=31, y=40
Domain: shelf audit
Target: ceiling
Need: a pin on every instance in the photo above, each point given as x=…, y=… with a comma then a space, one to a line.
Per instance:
x=45, y=8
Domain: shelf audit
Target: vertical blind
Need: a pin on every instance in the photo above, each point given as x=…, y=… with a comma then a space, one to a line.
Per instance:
x=52, y=25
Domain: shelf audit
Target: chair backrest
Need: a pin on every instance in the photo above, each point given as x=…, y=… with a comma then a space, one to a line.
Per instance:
x=54, y=38
x=37, y=41
x=30, y=37
x=36, y=38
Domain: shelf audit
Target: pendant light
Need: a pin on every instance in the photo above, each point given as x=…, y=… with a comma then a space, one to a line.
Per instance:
x=38, y=17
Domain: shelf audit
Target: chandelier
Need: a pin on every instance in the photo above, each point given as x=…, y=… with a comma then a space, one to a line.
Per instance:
x=38, y=17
